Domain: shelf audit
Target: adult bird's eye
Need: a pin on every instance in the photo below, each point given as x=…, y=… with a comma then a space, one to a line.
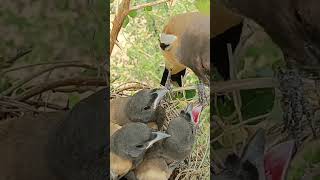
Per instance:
x=139, y=146
x=146, y=108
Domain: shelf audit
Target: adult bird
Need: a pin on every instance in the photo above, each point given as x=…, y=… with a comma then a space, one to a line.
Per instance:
x=185, y=42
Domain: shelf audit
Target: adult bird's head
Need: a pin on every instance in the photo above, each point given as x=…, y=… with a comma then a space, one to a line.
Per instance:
x=142, y=106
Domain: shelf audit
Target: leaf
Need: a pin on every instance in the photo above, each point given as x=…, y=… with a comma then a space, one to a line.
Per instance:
x=74, y=99
x=203, y=6
x=190, y=93
x=125, y=22
x=149, y=8
x=133, y=13
x=256, y=102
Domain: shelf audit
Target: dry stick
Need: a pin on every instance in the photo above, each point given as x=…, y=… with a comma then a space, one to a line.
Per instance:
x=37, y=64
x=46, y=104
x=235, y=93
x=60, y=83
x=31, y=77
x=18, y=104
x=253, y=83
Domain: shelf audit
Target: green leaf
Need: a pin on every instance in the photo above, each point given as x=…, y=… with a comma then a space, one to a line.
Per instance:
x=203, y=6
x=74, y=99
x=256, y=102
x=133, y=13
x=190, y=93
x=125, y=22
x=149, y=8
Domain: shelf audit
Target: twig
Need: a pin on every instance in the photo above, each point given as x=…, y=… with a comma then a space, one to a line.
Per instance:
x=73, y=89
x=60, y=83
x=18, y=104
x=19, y=55
x=31, y=77
x=235, y=93
x=37, y=64
x=38, y=104
x=252, y=83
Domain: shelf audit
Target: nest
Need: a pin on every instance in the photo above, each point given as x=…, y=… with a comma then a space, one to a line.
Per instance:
x=196, y=165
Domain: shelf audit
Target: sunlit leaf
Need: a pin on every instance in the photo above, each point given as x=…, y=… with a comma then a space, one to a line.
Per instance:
x=125, y=22
x=133, y=13
x=203, y=6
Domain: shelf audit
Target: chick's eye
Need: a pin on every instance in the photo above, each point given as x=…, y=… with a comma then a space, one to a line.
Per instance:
x=139, y=146
x=146, y=108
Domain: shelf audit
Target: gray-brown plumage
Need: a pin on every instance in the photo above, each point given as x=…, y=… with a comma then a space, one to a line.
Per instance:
x=128, y=145
x=175, y=148
x=182, y=130
x=23, y=143
x=57, y=145
x=141, y=107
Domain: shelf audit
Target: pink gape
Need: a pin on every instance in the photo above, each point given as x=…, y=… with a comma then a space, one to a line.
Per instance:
x=277, y=159
x=196, y=111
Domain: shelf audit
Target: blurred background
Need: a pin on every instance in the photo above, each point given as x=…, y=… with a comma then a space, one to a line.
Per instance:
x=52, y=54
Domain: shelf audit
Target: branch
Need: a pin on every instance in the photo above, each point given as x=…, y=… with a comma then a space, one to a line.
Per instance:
x=148, y=5
x=60, y=83
x=118, y=22
x=124, y=10
x=36, y=64
x=32, y=76
x=253, y=83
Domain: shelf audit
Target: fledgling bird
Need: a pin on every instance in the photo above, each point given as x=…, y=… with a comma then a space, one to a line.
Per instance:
x=249, y=164
x=141, y=107
x=254, y=164
x=177, y=147
x=182, y=130
x=79, y=145
x=23, y=143
x=128, y=145
x=57, y=145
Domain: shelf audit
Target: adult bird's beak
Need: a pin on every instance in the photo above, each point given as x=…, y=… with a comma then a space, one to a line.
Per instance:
x=160, y=94
x=159, y=136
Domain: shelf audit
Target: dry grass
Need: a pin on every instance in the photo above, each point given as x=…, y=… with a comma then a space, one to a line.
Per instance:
x=197, y=164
